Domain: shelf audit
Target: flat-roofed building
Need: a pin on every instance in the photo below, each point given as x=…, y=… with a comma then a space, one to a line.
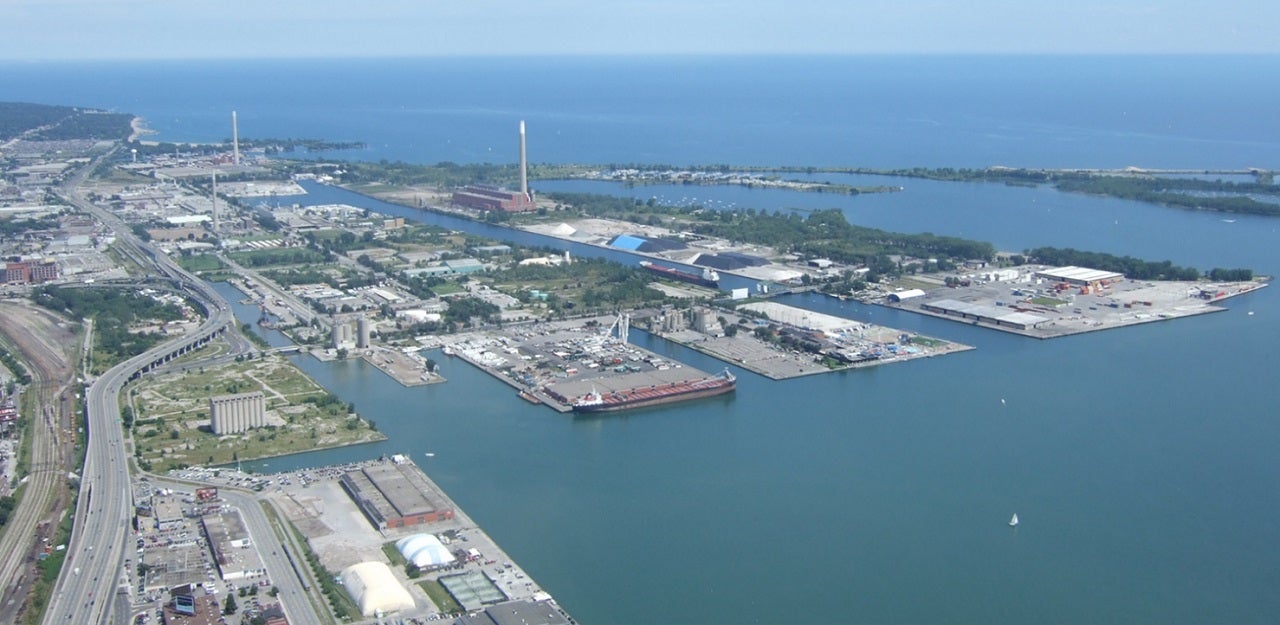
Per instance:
x=485, y=198
x=1080, y=276
x=395, y=495
x=516, y=613
x=982, y=313
x=31, y=271
x=463, y=266
x=194, y=610
x=229, y=541
x=168, y=513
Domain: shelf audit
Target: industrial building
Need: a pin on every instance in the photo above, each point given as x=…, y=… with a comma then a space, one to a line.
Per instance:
x=373, y=588
x=229, y=541
x=995, y=315
x=341, y=336
x=395, y=495
x=1080, y=276
x=453, y=267
x=648, y=245
x=486, y=198
x=344, y=336
x=232, y=414
x=193, y=610
x=516, y=613
x=362, y=332
x=30, y=272
x=168, y=513
x=490, y=249
x=489, y=198
x=905, y=295
x=706, y=321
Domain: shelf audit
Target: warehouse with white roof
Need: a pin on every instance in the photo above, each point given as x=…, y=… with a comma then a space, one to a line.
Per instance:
x=424, y=551
x=375, y=589
x=1080, y=276
x=982, y=313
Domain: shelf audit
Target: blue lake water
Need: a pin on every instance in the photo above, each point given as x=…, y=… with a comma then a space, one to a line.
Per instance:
x=1140, y=461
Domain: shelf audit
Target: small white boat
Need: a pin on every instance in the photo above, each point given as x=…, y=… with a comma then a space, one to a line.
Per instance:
x=1014, y=521
x=432, y=454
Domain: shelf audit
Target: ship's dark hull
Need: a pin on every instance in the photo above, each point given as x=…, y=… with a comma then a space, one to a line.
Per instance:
x=628, y=400
x=683, y=276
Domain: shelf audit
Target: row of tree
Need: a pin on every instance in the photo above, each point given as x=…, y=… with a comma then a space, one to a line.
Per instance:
x=15, y=367
x=822, y=233
x=114, y=311
x=61, y=122
x=1131, y=267
x=279, y=256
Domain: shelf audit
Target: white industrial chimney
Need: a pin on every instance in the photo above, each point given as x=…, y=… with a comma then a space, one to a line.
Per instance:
x=524, y=166
x=235, y=140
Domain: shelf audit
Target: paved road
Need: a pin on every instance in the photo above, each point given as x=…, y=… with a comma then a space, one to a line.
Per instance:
x=293, y=597
x=92, y=574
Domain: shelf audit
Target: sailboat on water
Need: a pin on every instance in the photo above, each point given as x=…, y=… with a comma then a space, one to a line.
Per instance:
x=1014, y=521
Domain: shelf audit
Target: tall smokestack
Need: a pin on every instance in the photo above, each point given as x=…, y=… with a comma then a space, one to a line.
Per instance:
x=235, y=140
x=215, y=203
x=524, y=165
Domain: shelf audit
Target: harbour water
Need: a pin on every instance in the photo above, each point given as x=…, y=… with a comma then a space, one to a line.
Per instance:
x=1140, y=461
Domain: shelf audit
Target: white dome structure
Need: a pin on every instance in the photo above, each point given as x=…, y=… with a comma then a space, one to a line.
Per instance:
x=373, y=588
x=424, y=551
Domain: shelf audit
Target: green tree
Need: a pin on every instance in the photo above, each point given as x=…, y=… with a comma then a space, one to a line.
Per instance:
x=229, y=607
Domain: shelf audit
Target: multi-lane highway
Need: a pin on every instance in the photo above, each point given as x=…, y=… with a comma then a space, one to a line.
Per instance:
x=91, y=576
x=91, y=573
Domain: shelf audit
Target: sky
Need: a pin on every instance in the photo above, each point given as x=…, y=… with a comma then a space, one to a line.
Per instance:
x=190, y=29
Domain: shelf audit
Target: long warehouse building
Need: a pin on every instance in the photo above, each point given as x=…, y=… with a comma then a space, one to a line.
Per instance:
x=395, y=495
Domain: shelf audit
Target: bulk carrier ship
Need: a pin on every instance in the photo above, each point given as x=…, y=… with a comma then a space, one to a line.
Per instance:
x=708, y=277
x=596, y=401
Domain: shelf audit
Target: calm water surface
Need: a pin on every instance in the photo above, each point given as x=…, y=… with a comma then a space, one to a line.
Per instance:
x=883, y=494
x=1141, y=461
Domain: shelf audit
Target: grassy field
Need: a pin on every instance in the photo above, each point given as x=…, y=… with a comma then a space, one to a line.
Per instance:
x=447, y=288
x=927, y=341
x=171, y=426
x=393, y=554
x=1047, y=301
x=201, y=262
x=441, y=597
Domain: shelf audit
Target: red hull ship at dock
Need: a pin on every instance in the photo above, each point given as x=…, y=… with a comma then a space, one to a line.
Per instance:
x=656, y=395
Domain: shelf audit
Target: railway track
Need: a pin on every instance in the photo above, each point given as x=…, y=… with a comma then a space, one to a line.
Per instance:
x=44, y=497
